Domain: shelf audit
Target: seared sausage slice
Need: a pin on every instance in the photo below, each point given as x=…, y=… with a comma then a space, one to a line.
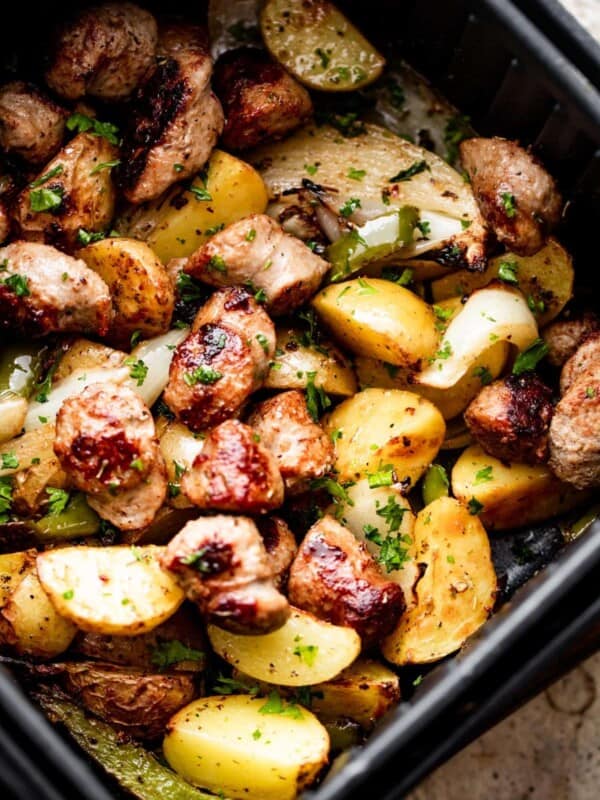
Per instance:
x=563, y=336
x=518, y=198
x=223, y=566
x=510, y=418
x=234, y=472
x=31, y=125
x=104, y=52
x=280, y=545
x=301, y=447
x=335, y=578
x=260, y=99
x=225, y=358
x=257, y=253
x=176, y=119
x=586, y=355
x=44, y=291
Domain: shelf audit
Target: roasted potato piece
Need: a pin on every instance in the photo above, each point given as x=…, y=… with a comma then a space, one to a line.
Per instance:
x=385, y=430
x=179, y=447
x=233, y=744
x=379, y=319
x=178, y=645
x=30, y=624
x=177, y=223
x=319, y=45
x=545, y=278
x=456, y=592
x=510, y=495
x=74, y=191
x=277, y=658
x=140, y=288
x=296, y=361
x=13, y=568
x=113, y=590
x=131, y=700
x=84, y=354
x=382, y=518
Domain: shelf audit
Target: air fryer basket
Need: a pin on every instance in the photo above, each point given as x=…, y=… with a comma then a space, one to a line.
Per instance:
x=497, y=67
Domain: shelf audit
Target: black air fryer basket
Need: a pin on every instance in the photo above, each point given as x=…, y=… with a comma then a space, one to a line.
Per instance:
x=495, y=65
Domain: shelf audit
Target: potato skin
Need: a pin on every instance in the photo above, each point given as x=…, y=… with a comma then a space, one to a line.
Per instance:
x=131, y=700
x=88, y=196
x=141, y=291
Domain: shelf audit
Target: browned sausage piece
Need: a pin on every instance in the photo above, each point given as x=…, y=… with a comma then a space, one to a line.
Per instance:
x=510, y=418
x=31, y=124
x=518, y=198
x=302, y=448
x=257, y=253
x=223, y=566
x=260, y=99
x=563, y=336
x=280, y=545
x=104, y=51
x=234, y=472
x=44, y=291
x=225, y=358
x=176, y=119
x=335, y=578
x=586, y=355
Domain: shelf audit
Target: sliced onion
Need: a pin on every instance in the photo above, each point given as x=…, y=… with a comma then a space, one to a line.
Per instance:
x=495, y=313
x=156, y=354
x=13, y=411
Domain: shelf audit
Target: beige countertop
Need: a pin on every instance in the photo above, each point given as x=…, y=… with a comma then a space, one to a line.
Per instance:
x=549, y=749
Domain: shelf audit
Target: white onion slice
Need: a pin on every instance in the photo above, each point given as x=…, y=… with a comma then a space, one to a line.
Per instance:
x=156, y=354
x=495, y=313
x=13, y=410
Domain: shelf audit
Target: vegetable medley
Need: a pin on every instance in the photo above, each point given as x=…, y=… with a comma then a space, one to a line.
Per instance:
x=284, y=342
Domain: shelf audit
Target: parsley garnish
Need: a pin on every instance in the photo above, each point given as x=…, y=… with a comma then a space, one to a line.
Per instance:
x=474, y=506
x=425, y=227
x=316, y=398
x=323, y=57
x=9, y=461
x=57, y=500
x=392, y=555
x=105, y=165
x=167, y=653
x=465, y=223
x=224, y=685
x=87, y=237
x=188, y=288
x=406, y=174
x=335, y=489
x=356, y=174
x=530, y=357
x=263, y=341
x=202, y=374
x=535, y=306
x=275, y=705
x=306, y=652
x=483, y=475
x=383, y=477
x=46, y=199
x=57, y=170
x=18, y=283
x=217, y=264
x=311, y=168
x=507, y=271
x=5, y=499
x=443, y=353
x=484, y=375
x=138, y=371
x=392, y=513
x=137, y=464
x=403, y=278
x=200, y=192
x=69, y=594
x=590, y=391
x=509, y=203
x=457, y=129
x=350, y=207
x=251, y=235
x=82, y=124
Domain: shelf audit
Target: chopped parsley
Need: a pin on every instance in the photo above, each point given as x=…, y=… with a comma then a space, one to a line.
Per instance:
x=306, y=652
x=335, y=435
x=406, y=174
x=356, y=174
x=392, y=513
x=197, y=561
x=137, y=464
x=217, y=263
x=507, y=272
x=69, y=594
x=83, y=124
x=403, y=278
x=335, y=489
x=256, y=733
x=529, y=358
x=57, y=500
x=383, y=477
x=138, y=371
x=474, y=507
x=458, y=128
x=200, y=192
x=509, y=203
x=484, y=375
x=251, y=235
x=202, y=374
x=224, y=685
x=535, y=306
x=590, y=391
x=46, y=199
x=311, y=168
x=5, y=499
x=135, y=337
x=275, y=705
x=365, y=288
x=215, y=229
x=424, y=226
x=483, y=475
x=57, y=170
x=465, y=223
x=19, y=284
x=324, y=57
x=189, y=289
x=350, y=207
x=316, y=397
x=167, y=653
x=263, y=342
x=443, y=353
x=87, y=237
x=392, y=555
x=9, y=461
x=105, y=165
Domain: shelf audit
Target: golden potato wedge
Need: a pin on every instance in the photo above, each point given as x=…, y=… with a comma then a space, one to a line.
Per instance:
x=114, y=590
x=177, y=223
x=131, y=700
x=179, y=447
x=140, y=288
x=295, y=361
x=319, y=45
x=245, y=748
x=457, y=591
x=510, y=495
x=31, y=625
x=385, y=430
x=13, y=568
x=545, y=278
x=73, y=191
x=271, y=657
x=377, y=318
x=381, y=513
x=84, y=354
